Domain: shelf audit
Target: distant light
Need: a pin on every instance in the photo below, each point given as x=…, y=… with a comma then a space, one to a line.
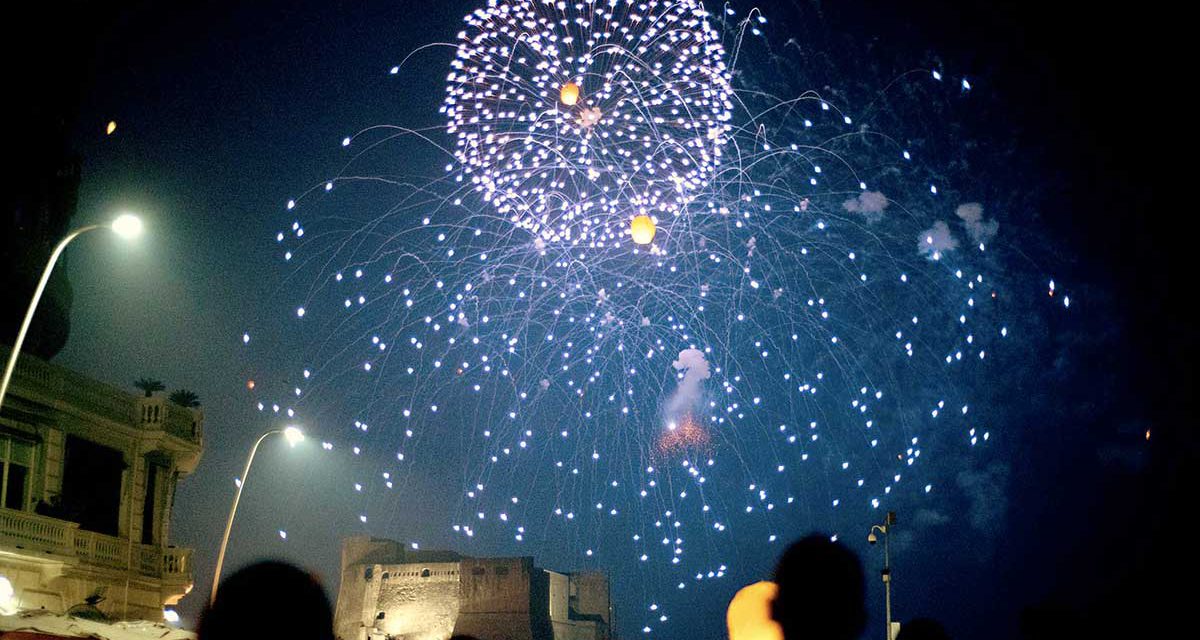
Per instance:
x=171, y=616
x=112, y=126
x=127, y=226
x=293, y=435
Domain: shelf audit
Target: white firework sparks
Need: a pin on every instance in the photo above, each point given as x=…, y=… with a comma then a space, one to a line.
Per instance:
x=650, y=105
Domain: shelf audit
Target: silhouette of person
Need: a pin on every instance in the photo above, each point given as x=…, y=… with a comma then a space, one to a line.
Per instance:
x=922, y=629
x=268, y=600
x=822, y=591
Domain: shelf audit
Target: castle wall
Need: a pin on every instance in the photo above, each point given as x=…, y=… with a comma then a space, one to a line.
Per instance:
x=418, y=601
x=391, y=592
x=496, y=599
x=591, y=596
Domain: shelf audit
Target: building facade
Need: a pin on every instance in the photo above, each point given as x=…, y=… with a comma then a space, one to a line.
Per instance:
x=389, y=592
x=87, y=481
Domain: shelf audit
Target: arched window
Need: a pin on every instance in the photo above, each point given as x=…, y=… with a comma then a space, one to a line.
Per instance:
x=424, y=573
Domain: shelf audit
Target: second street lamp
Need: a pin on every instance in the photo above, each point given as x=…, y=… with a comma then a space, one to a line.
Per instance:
x=294, y=436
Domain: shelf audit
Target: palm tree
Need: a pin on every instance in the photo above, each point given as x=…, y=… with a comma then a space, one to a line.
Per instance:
x=184, y=398
x=149, y=385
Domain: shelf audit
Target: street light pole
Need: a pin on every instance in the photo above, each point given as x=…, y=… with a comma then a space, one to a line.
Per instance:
x=886, y=574
x=294, y=436
x=126, y=225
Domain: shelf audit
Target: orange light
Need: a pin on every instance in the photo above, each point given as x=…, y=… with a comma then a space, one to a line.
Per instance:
x=569, y=94
x=250, y=384
x=749, y=614
x=642, y=229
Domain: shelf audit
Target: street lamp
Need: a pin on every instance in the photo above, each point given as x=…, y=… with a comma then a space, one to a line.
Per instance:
x=126, y=225
x=294, y=436
x=886, y=574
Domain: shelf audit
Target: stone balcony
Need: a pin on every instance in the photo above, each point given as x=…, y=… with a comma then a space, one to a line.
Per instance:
x=55, y=540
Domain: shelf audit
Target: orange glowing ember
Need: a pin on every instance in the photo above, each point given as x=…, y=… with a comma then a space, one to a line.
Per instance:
x=684, y=436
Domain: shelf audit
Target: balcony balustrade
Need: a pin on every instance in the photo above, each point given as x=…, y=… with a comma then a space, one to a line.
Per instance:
x=60, y=539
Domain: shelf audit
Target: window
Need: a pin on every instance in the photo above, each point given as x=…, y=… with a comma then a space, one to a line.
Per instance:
x=17, y=459
x=501, y=571
x=91, y=492
x=150, y=504
x=424, y=573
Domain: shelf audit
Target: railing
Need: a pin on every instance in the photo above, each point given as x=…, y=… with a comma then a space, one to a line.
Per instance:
x=64, y=539
x=97, y=548
x=31, y=531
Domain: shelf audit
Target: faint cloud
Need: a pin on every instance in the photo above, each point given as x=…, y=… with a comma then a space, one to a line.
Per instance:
x=936, y=240
x=868, y=203
x=987, y=491
x=980, y=230
x=929, y=518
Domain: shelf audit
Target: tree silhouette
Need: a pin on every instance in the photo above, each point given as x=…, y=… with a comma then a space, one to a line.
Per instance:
x=149, y=385
x=184, y=398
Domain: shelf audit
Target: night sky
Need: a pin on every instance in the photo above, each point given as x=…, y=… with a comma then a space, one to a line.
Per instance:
x=224, y=112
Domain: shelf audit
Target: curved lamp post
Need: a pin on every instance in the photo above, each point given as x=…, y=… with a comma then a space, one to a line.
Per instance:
x=294, y=436
x=886, y=574
x=126, y=225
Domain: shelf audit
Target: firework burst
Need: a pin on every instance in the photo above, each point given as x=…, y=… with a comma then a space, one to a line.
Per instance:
x=572, y=118
x=798, y=339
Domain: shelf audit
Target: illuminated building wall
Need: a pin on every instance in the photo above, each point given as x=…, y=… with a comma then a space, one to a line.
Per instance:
x=389, y=592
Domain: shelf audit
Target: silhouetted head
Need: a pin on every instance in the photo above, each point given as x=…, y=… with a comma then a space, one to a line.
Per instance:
x=821, y=591
x=268, y=600
x=922, y=629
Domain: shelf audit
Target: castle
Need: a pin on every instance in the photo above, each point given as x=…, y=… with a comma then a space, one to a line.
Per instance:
x=390, y=592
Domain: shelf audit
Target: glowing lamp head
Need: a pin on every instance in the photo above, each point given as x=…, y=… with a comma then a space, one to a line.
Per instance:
x=171, y=616
x=642, y=229
x=749, y=614
x=569, y=94
x=128, y=226
x=293, y=435
x=112, y=126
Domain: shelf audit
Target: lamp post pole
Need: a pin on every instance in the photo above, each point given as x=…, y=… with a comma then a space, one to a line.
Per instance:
x=126, y=225
x=293, y=436
x=37, y=296
x=886, y=574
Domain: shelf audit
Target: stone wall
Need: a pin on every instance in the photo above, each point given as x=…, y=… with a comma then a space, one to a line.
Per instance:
x=418, y=601
x=496, y=599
